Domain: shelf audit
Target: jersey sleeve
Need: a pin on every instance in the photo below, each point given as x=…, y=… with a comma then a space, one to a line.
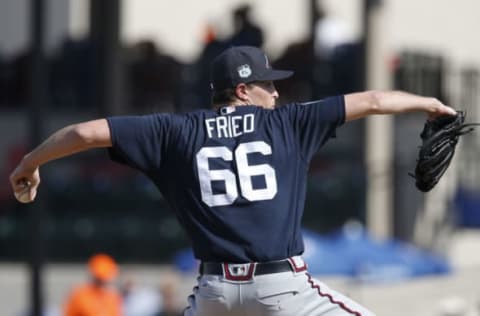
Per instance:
x=141, y=142
x=315, y=122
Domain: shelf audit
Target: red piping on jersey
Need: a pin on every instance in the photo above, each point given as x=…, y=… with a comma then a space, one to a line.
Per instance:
x=330, y=297
x=295, y=267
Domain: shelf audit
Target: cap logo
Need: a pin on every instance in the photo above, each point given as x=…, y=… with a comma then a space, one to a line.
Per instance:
x=267, y=63
x=244, y=71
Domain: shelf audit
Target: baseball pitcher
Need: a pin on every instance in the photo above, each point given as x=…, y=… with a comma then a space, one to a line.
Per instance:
x=235, y=176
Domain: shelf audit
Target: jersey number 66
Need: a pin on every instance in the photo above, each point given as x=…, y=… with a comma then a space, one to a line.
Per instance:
x=245, y=174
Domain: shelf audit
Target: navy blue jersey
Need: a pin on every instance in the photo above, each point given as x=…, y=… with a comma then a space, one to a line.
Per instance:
x=236, y=177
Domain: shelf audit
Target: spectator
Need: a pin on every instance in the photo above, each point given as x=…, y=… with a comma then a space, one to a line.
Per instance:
x=72, y=75
x=3, y=80
x=19, y=87
x=140, y=300
x=97, y=297
x=169, y=291
x=246, y=32
x=154, y=79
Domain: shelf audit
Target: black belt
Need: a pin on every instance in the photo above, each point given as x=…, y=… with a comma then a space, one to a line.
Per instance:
x=261, y=268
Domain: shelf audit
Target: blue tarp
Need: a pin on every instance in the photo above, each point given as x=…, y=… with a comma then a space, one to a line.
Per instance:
x=351, y=252
x=467, y=205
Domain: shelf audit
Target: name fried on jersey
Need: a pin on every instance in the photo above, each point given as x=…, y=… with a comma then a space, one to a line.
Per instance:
x=230, y=126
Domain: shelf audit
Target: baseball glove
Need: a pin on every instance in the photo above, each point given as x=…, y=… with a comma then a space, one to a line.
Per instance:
x=439, y=139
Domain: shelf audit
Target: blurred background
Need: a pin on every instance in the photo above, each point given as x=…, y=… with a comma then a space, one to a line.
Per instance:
x=64, y=61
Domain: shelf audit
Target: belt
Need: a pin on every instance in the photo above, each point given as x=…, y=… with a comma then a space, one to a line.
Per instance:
x=245, y=271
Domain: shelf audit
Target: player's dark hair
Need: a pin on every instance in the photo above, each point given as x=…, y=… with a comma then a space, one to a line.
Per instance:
x=224, y=96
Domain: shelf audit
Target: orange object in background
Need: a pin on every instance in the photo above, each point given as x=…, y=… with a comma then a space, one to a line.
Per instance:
x=97, y=297
x=103, y=267
x=92, y=300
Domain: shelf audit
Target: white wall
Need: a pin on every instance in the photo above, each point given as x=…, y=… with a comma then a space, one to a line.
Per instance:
x=15, y=24
x=445, y=26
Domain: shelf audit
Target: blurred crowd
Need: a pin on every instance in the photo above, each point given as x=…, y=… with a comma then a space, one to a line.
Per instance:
x=108, y=293
x=325, y=61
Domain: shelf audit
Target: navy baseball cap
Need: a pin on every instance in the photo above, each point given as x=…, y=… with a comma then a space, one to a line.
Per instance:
x=243, y=64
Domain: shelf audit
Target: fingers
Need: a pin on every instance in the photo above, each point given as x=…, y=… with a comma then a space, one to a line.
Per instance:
x=19, y=181
x=22, y=186
x=32, y=194
x=19, y=184
x=25, y=183
x=27, y=195
x=25, y=191
x=437, y=109
x=448, y=110
x=444, y=110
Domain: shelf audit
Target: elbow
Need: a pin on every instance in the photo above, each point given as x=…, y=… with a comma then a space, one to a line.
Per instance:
x=375, y=102
x=81, y=135
x=92, y=134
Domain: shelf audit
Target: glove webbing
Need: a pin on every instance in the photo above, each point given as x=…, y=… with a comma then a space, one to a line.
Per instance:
x=438, y=148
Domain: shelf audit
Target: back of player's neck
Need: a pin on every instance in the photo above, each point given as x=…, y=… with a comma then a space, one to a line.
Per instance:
x=233, y=103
